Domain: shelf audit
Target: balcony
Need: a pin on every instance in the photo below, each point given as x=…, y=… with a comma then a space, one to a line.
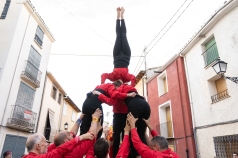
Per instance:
x=166, y=129
x=220, y=96
x=22, y=119
x=31, y=75
x=210, y=55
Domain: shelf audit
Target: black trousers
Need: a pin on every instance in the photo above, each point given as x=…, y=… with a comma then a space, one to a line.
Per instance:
x=121, y=50
x=140, y=109
x=119, y=123
x=90, y=105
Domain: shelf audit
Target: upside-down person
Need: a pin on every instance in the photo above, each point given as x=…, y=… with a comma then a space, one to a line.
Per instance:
x=121, y=54
x=159, y=145
x=92, y=102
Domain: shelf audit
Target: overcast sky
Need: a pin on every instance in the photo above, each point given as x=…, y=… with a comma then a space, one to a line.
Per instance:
x=87, y=27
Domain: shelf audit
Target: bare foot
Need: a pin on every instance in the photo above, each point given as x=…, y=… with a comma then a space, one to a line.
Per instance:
x=122, y=12
x=118, y=13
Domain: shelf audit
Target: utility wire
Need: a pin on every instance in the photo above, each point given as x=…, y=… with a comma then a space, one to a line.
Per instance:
x=82, y=22
x=163, y=34
x=170, y=27
x=167, y=22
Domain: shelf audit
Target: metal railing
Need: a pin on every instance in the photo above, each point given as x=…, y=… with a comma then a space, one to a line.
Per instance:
x=166, y=129
x=210, y=55
x=22, y=119
x=31, y=74
x=220, y=96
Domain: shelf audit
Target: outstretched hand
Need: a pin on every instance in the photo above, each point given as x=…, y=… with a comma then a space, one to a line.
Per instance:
x=96, y=92
x=131, y=120
x=97, y=113
x=85, y=136
x=127, y=128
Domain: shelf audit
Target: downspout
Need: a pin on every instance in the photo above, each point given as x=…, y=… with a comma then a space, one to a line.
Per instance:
x=15, y=70
x=181, y=100
x=191, y=105
x=42, y=98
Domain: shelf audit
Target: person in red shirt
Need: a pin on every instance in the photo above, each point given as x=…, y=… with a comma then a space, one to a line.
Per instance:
x=101, y=148
x=80, y=150
x=121, y=54
x=92, y=102
x=37, y=146
x=137, y=105
x=159, y=145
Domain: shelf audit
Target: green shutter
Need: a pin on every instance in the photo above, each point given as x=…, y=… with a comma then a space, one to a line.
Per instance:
x=211, y=53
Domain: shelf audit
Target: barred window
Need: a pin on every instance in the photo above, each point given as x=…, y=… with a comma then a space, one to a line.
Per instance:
x=25, y=96
x=39, y=36
x=5, y=9
x=225, y=145
x=211, y=53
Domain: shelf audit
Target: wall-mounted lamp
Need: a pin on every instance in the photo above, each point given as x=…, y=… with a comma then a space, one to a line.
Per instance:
x=220, y=68
x=66, y=125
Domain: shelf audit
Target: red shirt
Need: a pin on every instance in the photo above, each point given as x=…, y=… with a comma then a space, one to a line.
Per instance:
x=119, y=73
x=80, y=150
x=57, y=152
x=118, y=105
x=123, y=150
x=125, y=88
x=111, y=90
x=146, y=152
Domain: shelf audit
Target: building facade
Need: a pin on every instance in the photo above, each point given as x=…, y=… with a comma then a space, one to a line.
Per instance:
x=212, y=97
x=170, y=109
x=25, y=45
x=70, y=114
x=49, y=122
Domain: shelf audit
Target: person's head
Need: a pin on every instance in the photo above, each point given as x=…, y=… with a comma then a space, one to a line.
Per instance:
x=62, y=137
x=159, y=143
x=101, y=148
x=37, y=143
x=7, y=154
x=117, y=83
x=235, y=155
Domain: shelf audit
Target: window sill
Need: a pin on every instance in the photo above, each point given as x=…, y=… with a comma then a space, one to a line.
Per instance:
x=163, y=94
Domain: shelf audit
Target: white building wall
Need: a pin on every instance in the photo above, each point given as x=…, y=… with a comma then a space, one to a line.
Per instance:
x=205, y=113
x=17, y=35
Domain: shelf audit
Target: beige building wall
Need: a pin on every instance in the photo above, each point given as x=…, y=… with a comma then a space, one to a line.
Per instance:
x=52, y=105
x=67, y=115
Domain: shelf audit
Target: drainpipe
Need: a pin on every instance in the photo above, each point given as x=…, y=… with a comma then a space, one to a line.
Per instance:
x=181, y=101
x=42, y=98
x=191, y=105
x=15, y=70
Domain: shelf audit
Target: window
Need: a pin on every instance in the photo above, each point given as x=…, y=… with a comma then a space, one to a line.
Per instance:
x=25, y=96
x=54, y=92
x=218, y=89
x=162, y=83
x=211, y=52
x=39, y=36
x=33, y=64
x=73, y=116
x=5, y=9
x=65, y=109
x=59, y=98
x=15, y=144
x=225, y=145
x=50, y=130
x=166, y=123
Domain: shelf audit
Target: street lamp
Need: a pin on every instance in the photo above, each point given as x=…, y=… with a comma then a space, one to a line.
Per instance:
x=220, y=68
x=66, y=126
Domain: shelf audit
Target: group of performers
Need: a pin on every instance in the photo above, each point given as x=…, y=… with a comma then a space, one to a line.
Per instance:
x=123, y=97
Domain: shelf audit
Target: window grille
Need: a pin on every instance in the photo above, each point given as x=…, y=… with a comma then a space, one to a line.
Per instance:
x=5, y=9
x=39, y=36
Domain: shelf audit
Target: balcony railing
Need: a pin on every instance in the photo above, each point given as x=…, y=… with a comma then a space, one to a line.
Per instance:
x=31, y=74
x=210, y=55
x=220, y=96
x=166, y=129
x=22, y=119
